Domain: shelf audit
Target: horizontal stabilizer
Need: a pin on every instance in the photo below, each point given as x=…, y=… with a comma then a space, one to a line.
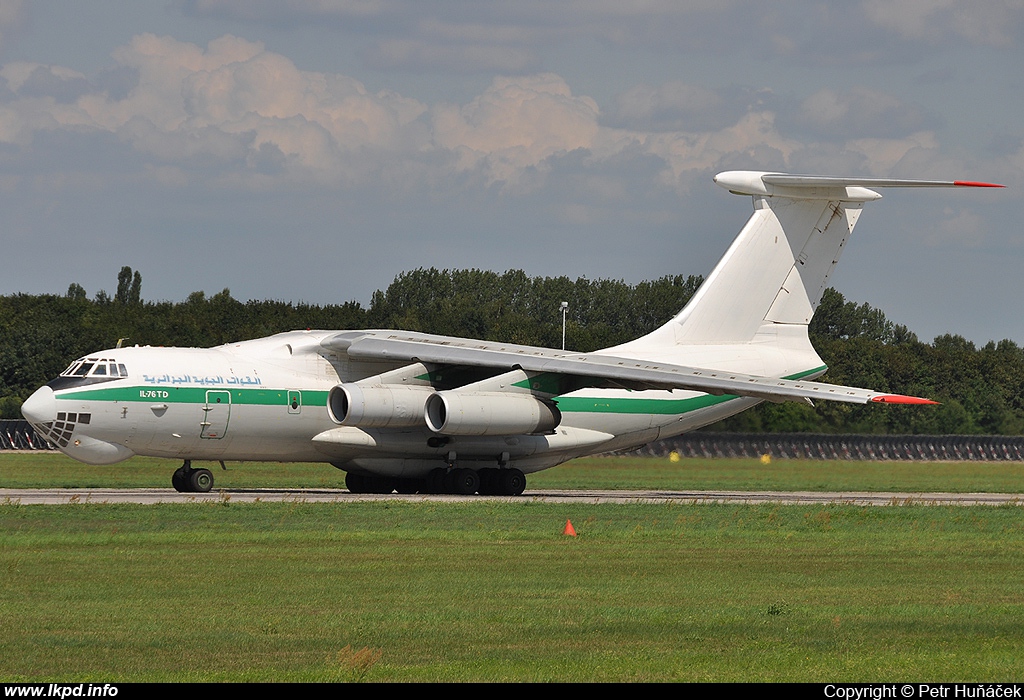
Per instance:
x=848, y=189
x=819, y=181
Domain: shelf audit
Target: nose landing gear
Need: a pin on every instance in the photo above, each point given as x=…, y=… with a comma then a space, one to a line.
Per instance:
x=188, y=480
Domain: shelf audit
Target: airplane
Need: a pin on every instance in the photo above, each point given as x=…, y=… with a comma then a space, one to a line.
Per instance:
x=412, y=412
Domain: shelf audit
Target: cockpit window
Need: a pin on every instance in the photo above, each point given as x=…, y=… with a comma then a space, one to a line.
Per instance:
x=95, y=367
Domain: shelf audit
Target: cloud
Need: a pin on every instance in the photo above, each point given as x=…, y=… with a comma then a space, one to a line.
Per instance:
x=962, y=228
x=420, y=56
x=678, y=106
x=438, y=36
x=63, y=85
x=236, y=114
x=420, y=36
x=753, y=141
x=291, y=10
x=234, y=103
x=858, y=112
x=985, y=22
x=515, y=124
x=12, y=16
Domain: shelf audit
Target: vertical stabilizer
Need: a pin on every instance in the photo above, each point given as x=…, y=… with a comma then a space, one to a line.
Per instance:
x=774, y=273
x=775, y=270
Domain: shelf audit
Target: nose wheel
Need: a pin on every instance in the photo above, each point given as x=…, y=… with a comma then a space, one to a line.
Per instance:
x=188, y=480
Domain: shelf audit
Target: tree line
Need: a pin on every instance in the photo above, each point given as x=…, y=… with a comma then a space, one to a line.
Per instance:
x=981, y=388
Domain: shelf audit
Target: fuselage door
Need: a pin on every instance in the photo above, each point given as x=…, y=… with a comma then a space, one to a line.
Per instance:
x=294, y=401
x=216, y=414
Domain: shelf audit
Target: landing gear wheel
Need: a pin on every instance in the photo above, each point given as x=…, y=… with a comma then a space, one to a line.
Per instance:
x=465, y=482
x=179, y=480
x=366, y=483
x=356, y=483
x=381, y=484
x=435, y=481
x=200, y=481
x=489, y=481
x=409, y=486
x=512, y=482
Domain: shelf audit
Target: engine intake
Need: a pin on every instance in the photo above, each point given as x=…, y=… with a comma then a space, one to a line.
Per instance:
x=489, y=413
x=377, y=406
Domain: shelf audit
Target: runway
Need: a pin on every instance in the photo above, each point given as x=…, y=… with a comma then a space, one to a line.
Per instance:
x=161, y=495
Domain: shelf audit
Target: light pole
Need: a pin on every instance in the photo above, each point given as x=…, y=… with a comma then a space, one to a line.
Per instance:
x=565, y=309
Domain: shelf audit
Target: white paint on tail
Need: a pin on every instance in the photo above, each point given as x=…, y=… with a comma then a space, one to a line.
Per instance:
x=770, y=281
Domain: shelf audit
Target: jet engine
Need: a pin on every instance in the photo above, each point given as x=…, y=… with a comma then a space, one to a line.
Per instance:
x=489, y=413
x=377, y=406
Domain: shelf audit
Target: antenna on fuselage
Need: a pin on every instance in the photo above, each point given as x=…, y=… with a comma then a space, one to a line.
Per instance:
x=121, y=340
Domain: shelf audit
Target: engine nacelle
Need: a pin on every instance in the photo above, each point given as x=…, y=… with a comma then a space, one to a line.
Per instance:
x=489, y=413
x=378, y=406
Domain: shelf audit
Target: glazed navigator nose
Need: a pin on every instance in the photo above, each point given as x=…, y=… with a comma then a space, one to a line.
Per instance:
x=40, y=407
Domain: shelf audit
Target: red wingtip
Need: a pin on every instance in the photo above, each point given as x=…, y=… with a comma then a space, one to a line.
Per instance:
x=969, y=183
x=899, y=398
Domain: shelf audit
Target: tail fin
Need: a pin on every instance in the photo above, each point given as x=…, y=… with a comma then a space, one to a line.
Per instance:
x=776, y=269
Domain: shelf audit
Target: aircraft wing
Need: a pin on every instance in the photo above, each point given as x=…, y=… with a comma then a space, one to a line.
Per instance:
x=595, y=369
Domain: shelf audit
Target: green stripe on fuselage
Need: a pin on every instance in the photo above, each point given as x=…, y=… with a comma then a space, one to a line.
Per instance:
x=279, y=397
x=572, y=404
x=188, y=394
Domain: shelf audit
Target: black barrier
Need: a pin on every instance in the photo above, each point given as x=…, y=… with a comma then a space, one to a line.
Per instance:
x=19, y=435
x=926, y=448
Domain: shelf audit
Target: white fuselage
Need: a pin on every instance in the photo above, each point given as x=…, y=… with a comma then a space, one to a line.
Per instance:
x=266, y=399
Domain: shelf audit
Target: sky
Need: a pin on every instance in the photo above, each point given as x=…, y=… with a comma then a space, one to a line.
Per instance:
x=312, y=150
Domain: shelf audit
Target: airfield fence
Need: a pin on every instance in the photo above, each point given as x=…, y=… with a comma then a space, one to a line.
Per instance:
x=19, y=435
x=921, y=448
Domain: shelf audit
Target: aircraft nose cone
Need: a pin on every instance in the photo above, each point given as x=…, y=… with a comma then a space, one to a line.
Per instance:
x=40, y=407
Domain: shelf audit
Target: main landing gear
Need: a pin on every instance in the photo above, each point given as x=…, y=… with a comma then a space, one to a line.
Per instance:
x=461, y=481
x=188, y=480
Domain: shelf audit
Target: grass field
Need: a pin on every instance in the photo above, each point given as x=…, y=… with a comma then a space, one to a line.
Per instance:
x=50, y=470
x=492, y=591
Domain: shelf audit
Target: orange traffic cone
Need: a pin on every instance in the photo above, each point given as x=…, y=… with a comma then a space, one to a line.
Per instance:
x=569, y=529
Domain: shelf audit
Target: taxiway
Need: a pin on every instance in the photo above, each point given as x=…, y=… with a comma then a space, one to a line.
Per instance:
x=159, y=495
